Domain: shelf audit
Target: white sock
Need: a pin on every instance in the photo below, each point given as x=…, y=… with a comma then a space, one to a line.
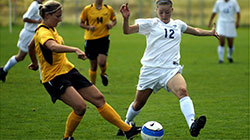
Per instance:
x=131, y=114
x=187, y=109
x=12, y=61
x=221, y=52
x=230, y=52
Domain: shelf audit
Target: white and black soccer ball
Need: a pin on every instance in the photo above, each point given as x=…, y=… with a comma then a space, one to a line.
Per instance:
x=152, y=130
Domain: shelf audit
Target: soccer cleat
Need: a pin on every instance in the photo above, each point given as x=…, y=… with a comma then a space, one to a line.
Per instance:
x=119, y=133
x=197, y=125
x=68, y=138
x=221, y=61
x=230, y=60
x=104, y=79
x=3, y=74
x=132, y=132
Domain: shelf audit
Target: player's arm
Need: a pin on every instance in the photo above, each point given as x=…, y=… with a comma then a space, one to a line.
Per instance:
x=31, y=20
x=58, y=48
x=32, y=54
x=127, y=29
x=238, y=20
x=202, y=32
x=87, y=27
x=211, y=19
x=113, y=23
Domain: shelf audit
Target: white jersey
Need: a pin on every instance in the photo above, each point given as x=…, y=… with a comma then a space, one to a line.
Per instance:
x=32, y=13
x=226, y=10
x=163, y=41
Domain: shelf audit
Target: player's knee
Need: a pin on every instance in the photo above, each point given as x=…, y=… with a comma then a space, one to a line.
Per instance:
x=93, y=68
x=20, y=58
x=80, y=109
x=138, y=105
x=182, y=92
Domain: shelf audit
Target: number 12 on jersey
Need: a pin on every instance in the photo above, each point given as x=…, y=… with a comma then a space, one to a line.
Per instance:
x=171, y=35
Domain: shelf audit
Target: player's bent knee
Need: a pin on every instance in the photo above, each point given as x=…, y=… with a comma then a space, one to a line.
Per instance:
x=80, y=109
x=137, y=106
x=182, y=92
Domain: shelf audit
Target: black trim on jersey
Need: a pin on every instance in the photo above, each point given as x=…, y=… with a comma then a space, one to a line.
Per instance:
x=47, y=54
x=44, y=27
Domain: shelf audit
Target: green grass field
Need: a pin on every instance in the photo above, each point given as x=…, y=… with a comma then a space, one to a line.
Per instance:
x=220, y=91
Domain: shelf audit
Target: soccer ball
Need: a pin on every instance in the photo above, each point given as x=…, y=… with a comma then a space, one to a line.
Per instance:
x=152, y=130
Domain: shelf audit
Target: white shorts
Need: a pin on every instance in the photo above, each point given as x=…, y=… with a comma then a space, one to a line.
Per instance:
x=25, y=37
x=226, y=29
x=156, y=78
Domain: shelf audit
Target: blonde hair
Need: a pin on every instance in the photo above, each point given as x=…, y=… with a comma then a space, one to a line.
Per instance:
x=50, y=7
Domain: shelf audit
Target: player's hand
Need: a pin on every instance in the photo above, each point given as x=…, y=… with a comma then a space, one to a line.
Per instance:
x=109, y=26
x=125, y=10
x=80, y=54
x=214, y=32
x=91, y=28
x=33, y=66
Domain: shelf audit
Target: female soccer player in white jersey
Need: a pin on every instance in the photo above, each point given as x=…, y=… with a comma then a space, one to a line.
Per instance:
x=161, y=58
x=31, y=19
x=226, y=25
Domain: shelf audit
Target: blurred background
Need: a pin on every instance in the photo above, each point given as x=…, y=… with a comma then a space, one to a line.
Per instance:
x=194, y=12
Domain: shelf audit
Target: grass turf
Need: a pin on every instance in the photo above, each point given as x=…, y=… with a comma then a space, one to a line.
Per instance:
x=220, y=91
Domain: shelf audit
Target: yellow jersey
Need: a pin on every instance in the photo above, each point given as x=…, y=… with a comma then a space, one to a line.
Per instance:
x=52, y=63
x=99, y=18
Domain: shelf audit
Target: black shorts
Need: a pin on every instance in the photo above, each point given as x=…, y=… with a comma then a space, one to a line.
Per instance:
x=58, y=85
x=95, y=47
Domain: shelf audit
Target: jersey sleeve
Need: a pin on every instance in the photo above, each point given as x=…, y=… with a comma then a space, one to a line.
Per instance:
x=83, y=15
x=32, y=10
x=112, y=12
x=183, y=26
x=216, y=7
x=44, y=35
x=237, y=7
x=144, y=25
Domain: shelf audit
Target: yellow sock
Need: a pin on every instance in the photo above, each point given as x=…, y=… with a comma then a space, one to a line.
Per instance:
x=103, y=69
x=71, y=124
x=109, y=114
x=92, y=76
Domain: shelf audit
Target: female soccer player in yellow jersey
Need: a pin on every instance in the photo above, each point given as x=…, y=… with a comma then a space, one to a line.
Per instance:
x=97, y=19
x=61, y=80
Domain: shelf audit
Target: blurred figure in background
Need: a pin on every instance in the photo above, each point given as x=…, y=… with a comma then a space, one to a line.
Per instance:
x=226, y=25
x=95, y=19
x=31, y=19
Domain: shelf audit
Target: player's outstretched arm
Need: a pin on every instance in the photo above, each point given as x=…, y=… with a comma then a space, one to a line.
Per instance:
x=202, y=32
x=125, y=14
x=58, y=48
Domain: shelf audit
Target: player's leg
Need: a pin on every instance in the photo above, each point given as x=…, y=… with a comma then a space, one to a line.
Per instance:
x=94, y=96
x=136, y=106
x=102, y=58
x=178, y=86
x=91, y=52
x=230, y=49
x=102, y=62
x=221, y=49
x=11, y=62
x=72, y=98
x=93, y=70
